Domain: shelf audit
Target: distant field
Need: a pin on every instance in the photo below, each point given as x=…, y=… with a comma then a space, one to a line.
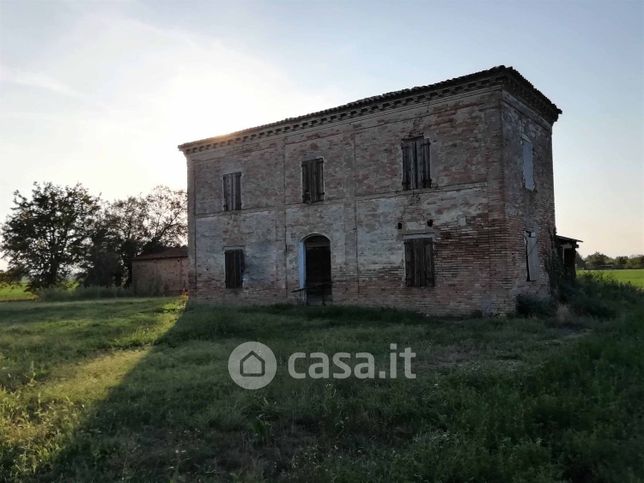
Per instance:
x=15, y=292
x=632, y=276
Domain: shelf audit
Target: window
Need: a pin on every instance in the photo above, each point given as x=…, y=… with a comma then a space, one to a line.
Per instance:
x=528, y=164
x=415, y=158
x=313, y=180
x=234, y=268
x=419, y=262
x=531, y=255
x=232, y=191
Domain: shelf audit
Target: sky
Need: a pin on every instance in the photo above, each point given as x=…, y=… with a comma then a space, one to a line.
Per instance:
x=102, y=93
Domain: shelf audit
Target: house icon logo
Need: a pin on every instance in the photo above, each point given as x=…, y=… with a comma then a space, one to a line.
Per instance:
x=252, y=365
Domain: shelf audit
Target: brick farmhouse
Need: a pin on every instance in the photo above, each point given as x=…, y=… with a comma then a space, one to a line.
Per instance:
x=436, y=198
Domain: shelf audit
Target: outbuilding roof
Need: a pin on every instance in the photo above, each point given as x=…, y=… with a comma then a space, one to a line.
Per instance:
x=174, y=252
x=507, y=77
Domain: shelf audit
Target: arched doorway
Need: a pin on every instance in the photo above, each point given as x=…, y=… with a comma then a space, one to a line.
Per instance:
x=316, y=262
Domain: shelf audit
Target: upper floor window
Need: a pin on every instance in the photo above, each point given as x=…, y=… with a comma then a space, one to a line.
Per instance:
x=232, y=191
x=312, y=180
x=528, y=164
x=234, y=260
x=416, y=163
x=419, y=262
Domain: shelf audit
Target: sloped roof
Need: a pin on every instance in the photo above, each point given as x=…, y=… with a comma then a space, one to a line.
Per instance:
x=175, y=252
x=507, y=77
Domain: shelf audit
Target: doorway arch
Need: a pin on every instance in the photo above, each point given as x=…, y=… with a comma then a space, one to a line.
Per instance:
x=315, y=268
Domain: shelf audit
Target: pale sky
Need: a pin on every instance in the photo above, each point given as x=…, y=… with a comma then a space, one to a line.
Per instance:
x=102, y=92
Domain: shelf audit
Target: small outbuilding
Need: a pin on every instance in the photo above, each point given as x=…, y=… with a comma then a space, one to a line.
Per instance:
x=164, y=272
x=567, y=251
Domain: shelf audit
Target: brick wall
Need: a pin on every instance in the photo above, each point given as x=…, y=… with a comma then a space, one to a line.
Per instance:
x=477, y=205
x=168, y=276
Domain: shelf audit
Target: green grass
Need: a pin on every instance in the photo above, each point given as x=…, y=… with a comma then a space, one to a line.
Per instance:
x=138, y=390
x=633, y=276
x=10, y=293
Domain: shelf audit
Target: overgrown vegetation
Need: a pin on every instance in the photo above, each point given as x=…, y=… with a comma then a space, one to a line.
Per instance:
x=138, y=389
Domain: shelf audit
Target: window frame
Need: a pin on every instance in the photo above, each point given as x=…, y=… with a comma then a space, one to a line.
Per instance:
x=234, y=268
x=416, y=163
x=531, y=255
x=527, y=164
x=424, y=274
x=312, y=180
x=232, y=191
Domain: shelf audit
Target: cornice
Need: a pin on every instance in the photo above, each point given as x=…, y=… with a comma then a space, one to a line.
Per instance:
x=506, y=77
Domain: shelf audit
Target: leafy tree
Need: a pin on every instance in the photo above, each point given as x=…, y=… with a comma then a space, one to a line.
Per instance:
x=102, y=266
x=621, y=262
x=131, y=227
x=579, y=261
x=635, y=261
x=598, y=260
x=48, y=235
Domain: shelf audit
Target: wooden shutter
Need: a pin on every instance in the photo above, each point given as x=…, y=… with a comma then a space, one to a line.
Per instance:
x=419, y=263
x=227, y=192
x=234, y=267
x=240, y=262
x=306, y=187
x=406, y=165
x=532, y=252
x=425, y=174
x=528, y=165
x=415, y=181
x=319, y=180
x=429, y=262
x=229, y=268
x=237, y=191
x=409, y=263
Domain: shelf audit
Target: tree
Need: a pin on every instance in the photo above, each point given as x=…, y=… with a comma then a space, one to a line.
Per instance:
x=102, y=265
x=621, y=262
x=579, y=262
x=635, y=261
x=131, y=227
x=597, y=261
x=48, y=235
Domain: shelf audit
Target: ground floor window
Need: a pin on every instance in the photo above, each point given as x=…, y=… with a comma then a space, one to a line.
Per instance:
x=234, y=268
x=419, y=262
x=531, y=255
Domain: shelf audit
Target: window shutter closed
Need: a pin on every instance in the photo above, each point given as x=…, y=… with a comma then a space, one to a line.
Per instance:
x=306, y=187
x=532, y=252
x=230, y=263
x=429, y=263
x=234, y=266
x=227, y=193
x=528, y=165
x=425, y=164
x=237, y=190
x=419, y=262
x=409, y=263
x=319, y=183
x=406, y=165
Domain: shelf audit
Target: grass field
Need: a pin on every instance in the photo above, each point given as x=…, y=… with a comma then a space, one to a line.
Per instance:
x=138, y=390
x=14, y=292
x=633, y=276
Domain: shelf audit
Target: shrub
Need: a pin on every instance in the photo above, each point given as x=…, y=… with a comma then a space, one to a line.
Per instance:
x=532, y=306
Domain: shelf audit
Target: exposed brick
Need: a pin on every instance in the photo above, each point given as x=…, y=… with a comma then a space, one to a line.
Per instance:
x=477, y=202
